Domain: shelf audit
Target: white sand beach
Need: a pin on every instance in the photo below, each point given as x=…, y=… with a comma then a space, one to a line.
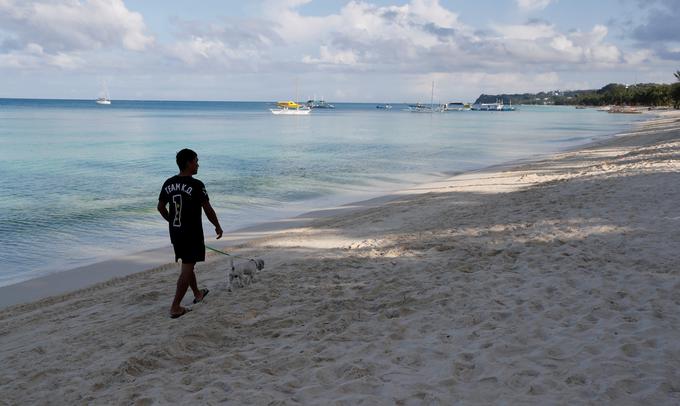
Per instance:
x=550, y=281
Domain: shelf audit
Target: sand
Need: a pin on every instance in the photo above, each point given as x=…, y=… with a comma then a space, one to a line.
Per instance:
x=551, y=281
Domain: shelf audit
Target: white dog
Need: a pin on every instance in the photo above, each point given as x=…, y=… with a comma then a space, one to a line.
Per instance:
x=250, y=268
x=243, y=273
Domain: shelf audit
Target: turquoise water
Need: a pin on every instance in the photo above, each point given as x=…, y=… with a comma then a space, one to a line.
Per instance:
x=81, y=181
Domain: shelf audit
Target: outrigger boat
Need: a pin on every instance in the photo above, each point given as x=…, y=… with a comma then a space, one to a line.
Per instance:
x=498, y=106
x=319, y=104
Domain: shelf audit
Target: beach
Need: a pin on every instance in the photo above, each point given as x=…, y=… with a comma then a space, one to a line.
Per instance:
x=551, y=280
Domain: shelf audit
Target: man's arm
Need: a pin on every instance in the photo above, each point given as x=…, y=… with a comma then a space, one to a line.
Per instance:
x=163, y=210
x=212, y=216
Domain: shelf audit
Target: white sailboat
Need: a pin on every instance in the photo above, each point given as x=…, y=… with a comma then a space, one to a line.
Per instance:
x=290, y=107
x=104, y=98
x=421, y=108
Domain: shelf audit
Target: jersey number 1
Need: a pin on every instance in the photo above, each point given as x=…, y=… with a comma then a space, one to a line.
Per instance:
x=177, y=200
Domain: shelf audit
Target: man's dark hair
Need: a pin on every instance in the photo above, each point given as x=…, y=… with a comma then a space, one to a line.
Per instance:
x=184, y=157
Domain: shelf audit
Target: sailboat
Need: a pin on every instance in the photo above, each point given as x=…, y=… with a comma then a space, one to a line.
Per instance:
x=290, y=107
x=104, y=99
x=421, y=108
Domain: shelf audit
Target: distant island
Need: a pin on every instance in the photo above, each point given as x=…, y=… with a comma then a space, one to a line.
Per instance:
x=641, y=94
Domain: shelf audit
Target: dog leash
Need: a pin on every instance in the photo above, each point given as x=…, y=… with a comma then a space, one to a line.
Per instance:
x=225, y=253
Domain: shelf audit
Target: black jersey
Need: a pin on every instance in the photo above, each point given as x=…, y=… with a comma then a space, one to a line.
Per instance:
x=186, y=196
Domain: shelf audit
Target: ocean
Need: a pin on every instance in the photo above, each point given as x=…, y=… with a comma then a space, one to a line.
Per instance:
x=81, y=180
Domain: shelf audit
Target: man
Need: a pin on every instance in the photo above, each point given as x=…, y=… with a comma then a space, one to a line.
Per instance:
x=186, y=197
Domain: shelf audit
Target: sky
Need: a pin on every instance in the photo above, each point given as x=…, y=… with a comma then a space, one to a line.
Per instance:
x=342, y=51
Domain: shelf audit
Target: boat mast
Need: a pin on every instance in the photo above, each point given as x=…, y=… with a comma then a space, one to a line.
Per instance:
x=432, y=98
x=105, y=90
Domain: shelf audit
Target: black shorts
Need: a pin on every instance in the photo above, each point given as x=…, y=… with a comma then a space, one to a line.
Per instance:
x=189, y=253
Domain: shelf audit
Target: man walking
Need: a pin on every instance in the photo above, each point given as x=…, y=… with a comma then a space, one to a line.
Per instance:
x=186, y=196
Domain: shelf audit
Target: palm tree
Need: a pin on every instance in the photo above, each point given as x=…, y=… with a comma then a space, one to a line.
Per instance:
x=675, y=90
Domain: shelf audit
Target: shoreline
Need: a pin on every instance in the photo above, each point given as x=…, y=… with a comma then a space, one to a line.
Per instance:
x=546, y=282
x=82, y=277
x=70, y=281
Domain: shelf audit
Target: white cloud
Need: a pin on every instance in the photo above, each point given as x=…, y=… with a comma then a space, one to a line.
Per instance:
x=533, y=4
x=196, y=50
x=430, y=11
x=418, y=36
x=415, y=37
x=422, y=35
x=528, y=32
x=239, y=45
x=359, y=35
x=366, y=35
x=73, y=25
x=33, y=56
x=327, y=56
x=565, y=48
x=639, y=57
x=64, y=29
x=543, y=44
x=293, y=27
x=65, y=61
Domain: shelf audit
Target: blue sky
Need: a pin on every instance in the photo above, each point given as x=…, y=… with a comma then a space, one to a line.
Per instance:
x=370, y=51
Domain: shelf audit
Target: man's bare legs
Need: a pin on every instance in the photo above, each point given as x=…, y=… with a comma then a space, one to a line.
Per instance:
x=186, y=280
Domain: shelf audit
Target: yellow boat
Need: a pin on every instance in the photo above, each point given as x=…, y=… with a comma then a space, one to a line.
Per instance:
x=288, y=104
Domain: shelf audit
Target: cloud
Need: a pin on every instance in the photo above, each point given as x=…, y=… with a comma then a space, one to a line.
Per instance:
x=660, y=28
x=423, y=36
x=530, y=5
x=327, y=56
x=63, y=29
x=415, y=37
x=390, y=37
x=240, y=45
x=540, y=44
x=531, y=31
x=661, y=23
x=72, y=25
x=33, y=56
x=639, y=57
x=237, y=44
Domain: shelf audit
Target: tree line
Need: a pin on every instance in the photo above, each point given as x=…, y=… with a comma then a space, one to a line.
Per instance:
x=641, y=94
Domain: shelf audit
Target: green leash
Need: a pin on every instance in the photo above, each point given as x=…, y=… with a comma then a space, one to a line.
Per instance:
x=216, y=250
x=225, y=253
